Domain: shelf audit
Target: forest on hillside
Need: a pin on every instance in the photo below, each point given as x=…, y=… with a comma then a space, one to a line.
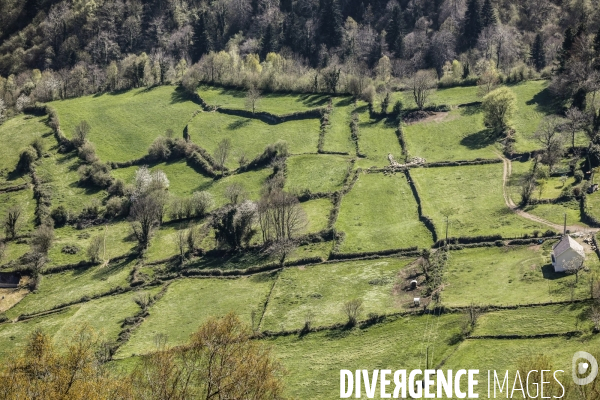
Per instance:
x=57, y=49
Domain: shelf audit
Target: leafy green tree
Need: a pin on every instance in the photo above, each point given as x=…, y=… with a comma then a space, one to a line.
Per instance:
x=498, y=107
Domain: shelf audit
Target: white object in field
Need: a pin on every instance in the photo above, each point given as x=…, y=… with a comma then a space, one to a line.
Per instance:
x=566, y=252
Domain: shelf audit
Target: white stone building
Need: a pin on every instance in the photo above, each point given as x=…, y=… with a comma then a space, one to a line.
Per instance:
x=566, y=252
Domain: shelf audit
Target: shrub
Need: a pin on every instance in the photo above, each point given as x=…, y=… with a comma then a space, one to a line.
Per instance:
x=93, y=250
x=91, y=211
x=95, y=174
x=117, y=207
x=87, y=152
x=42, y=238
x=353, y=309
x=578, y=175
x=80, y=134
x=117, y=188
x=39, y=146
x=60, y=215
x=26, y=159
x=159, y=149
x=397, y=108
x=70, y=249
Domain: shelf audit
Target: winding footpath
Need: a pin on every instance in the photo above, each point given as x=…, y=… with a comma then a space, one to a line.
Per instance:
x=507, y=171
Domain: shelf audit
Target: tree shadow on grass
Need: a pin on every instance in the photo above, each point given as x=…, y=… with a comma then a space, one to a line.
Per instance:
x=112, y=268
x=314, y=100
x=545, y=102
x=179, y=95
x=240, y=123
x=339, y=333
x=470, y=110
x=478, y=140
x=344, y=102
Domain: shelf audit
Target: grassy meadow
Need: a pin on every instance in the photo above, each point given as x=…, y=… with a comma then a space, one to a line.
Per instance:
x=124, y=124
x=377, y=139
x=316, y=172
x=457, y=135
x=472, y=198
x=189, y=302
x=16, y=134
x=380, y=212
x=275, y=103
x=338, y=137
x=250, y=136
x=320, y=291
x=73, y=285
x=521, y=275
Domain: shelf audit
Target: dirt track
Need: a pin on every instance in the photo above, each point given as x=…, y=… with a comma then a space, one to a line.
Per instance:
x=510, y=204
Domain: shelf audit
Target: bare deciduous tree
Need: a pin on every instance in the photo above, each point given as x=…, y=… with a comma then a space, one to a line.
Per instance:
x=181, y=243
x=280, y=216
x=353, y=309
x=12, y=222
x=574, y=266
x=576, y=121
x=42, y=238
x=222, y=153
x=81, y=133
x=145, y=212
x=252, y=98
x=551, y=137
x=236, y=193
x=423, y=85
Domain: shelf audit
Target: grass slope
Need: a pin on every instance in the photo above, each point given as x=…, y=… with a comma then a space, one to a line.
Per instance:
x=534, y=320
x=472, y=195
x=459, y=135
x=322, y=290
x=337, y=136
x=380, y=213
x=124, y=124
x=189, y=302
x=377, y=139
x=16, y=134
x=251, y=136
x=68, y=286
x=275, y=103
x=314, y=361
x=510, y=276
x=104, y=316
x=316, y=173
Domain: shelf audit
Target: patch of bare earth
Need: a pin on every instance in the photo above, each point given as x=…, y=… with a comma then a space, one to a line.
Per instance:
x=426, y=116
x=10, y=297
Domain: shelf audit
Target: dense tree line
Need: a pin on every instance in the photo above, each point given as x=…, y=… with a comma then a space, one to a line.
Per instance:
x=61, y=49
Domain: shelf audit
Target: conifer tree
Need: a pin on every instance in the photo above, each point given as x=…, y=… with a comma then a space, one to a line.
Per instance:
x=565, y=51
x=472, y=24
x=330, y=26
x=394, y=33
x=538, y=55
x=202, y=42
x=488, y=16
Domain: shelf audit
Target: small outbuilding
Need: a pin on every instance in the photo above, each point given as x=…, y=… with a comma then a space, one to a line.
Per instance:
x=9, y=280
x=566, y=252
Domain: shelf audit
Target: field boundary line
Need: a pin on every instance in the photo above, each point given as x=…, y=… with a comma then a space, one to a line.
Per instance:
x=267, y=300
